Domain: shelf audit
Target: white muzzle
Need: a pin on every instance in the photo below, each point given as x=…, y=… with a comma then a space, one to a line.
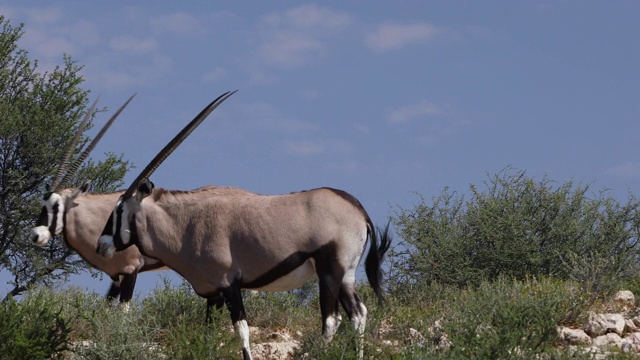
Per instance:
x=40, y=235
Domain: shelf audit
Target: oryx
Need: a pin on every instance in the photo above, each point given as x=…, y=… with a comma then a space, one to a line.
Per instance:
x=224, y=239
x=79, y=217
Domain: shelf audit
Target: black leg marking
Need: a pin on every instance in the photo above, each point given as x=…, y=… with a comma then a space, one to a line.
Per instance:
x=114, y=290
x=330, y=276
x=246, y=355
x=128, y=284
x=233, y=299
x=328, y=303
x=350, y=301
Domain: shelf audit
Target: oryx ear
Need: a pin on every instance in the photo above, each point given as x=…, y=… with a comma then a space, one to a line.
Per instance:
x=83, y=189
x=144, y=189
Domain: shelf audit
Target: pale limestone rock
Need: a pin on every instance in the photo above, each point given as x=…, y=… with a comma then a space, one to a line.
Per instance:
x=625, y=298
x=275, y=350
x=600, y=324
x=632, y=342
x=416, y=338
x=574, y=336
x=607, y=340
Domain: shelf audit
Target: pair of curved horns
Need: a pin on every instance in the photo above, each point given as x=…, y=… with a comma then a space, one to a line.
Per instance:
x=58, y=180
x=175, y=142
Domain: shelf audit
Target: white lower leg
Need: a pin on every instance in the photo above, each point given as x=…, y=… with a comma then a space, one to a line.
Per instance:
x=331, y=326
x=242, y=328
x=359, y=322
x=359, y=319
x=125, y=306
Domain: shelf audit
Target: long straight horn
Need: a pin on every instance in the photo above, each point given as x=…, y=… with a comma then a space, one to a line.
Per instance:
x=72, y=170
x=65, y=161
x=177, y=140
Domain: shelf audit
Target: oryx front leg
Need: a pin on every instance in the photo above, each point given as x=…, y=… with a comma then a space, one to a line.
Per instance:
x=126, y=287
x=233, y=299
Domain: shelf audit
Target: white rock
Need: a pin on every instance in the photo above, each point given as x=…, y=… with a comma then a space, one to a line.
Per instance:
x=625, y=298
x=573, y=336
x=632, y=342
x=274, y=350
x=610, y=339
x=416, y=338
x=600, y=324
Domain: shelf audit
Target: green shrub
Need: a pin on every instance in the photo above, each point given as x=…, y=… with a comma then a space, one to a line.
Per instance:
x=179, y=316
x=518, y=227
x=188, y=340
x=505, y=318
x=32, y=328
x=113, y=333
x=168, y=304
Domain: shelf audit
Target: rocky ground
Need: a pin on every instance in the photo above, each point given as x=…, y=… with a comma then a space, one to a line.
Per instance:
x=599, y=336
x=617, y=330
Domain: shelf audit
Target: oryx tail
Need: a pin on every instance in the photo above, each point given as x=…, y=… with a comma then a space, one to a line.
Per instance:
x=373, y=262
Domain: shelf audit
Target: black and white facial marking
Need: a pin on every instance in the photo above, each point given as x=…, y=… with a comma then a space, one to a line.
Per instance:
x=116, y=235
x=51, y=220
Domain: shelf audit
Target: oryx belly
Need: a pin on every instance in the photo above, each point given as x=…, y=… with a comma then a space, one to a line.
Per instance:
x=292, y=280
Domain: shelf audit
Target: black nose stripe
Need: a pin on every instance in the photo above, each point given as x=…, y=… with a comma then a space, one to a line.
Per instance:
x=44, y=216
x=108, y=228
x=54, y=219
x=117, y=240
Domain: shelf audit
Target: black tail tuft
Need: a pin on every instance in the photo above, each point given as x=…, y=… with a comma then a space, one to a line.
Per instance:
x=375, y=257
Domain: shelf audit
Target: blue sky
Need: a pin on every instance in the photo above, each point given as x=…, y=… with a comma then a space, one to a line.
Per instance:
x=381, y=99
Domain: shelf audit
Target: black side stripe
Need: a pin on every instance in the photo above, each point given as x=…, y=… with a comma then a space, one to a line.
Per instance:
x=108, y=228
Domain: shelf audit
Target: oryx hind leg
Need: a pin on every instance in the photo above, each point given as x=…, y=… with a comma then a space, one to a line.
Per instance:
x=329, y=279
x=356, y=311
x=233, y=299
x=354, y=308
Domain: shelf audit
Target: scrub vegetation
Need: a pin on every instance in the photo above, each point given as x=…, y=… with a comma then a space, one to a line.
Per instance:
x=489, y=272
x=495, y=274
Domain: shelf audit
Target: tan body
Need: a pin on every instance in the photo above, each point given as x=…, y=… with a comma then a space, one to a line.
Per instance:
x=235, y=235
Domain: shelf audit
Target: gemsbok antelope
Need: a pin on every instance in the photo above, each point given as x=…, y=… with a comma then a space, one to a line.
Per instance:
x=79, y=217
x=224, y=239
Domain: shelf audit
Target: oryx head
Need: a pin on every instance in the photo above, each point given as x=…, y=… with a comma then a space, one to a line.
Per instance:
x=120, y=230
x=50, y=222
